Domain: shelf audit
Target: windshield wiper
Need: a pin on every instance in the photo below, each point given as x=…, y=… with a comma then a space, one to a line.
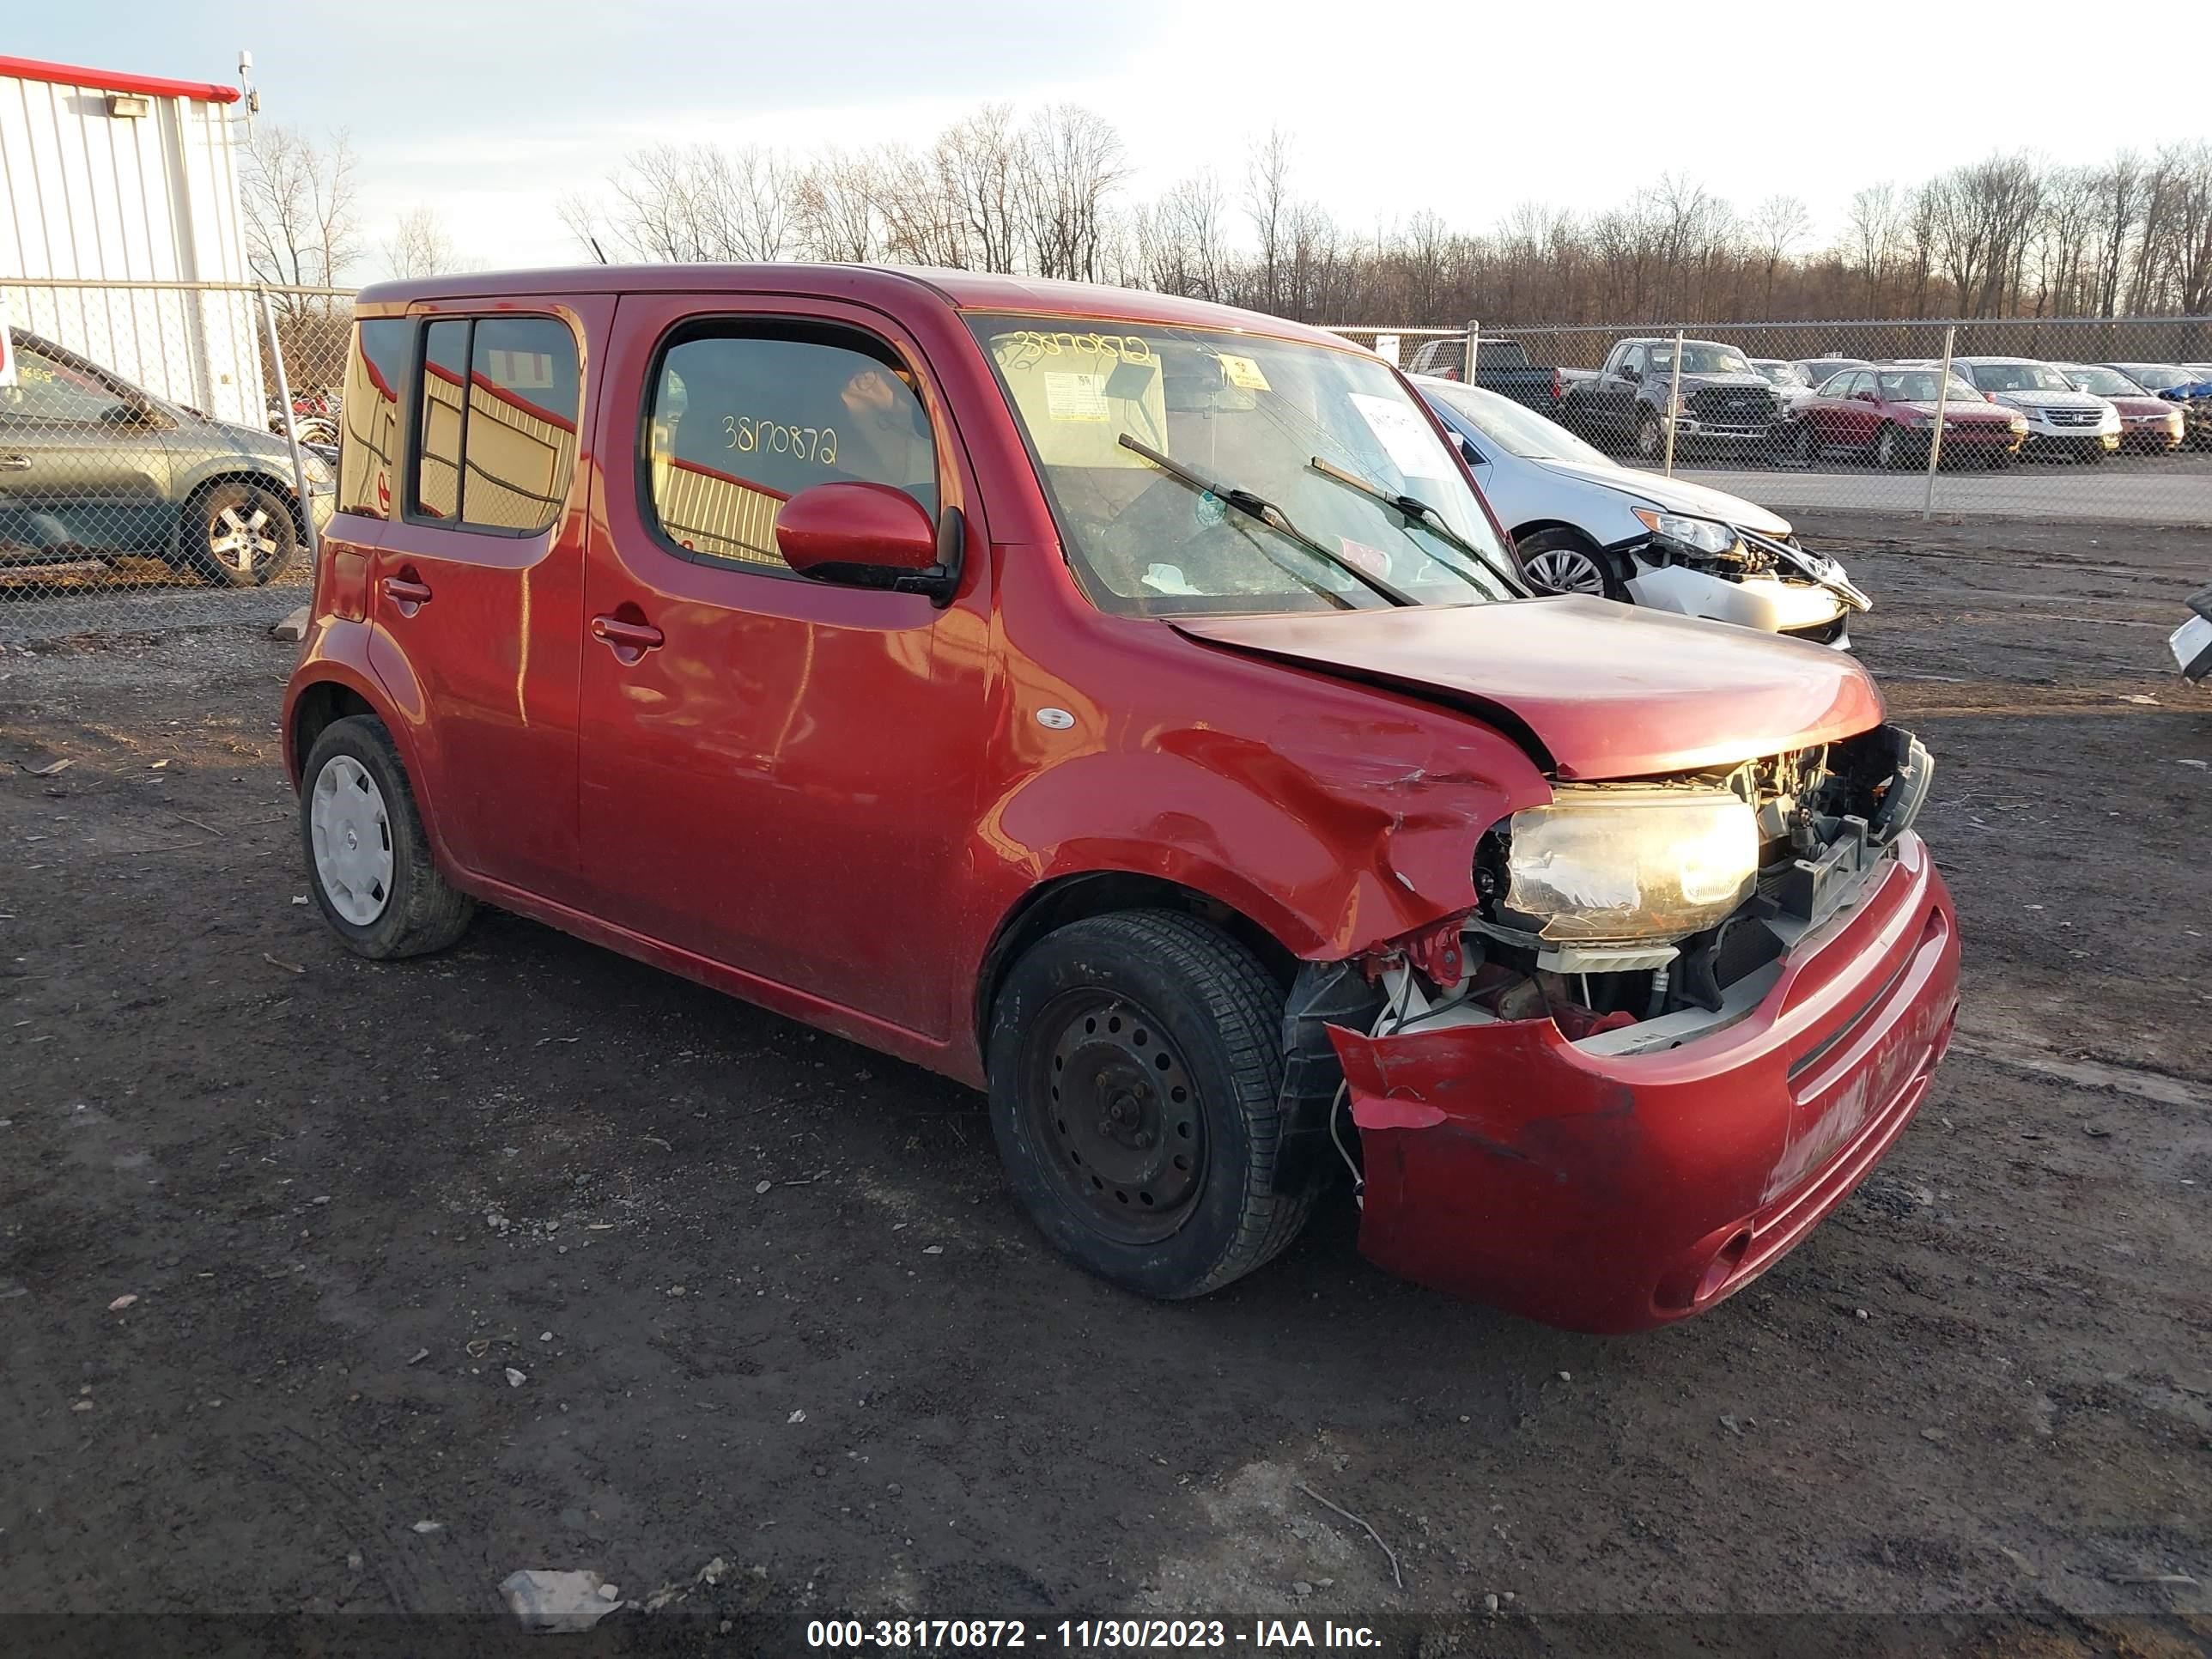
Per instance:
x=1421, y=513
x=1273, y=516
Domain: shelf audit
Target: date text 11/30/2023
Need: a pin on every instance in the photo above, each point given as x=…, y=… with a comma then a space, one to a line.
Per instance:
x=1087, y=1635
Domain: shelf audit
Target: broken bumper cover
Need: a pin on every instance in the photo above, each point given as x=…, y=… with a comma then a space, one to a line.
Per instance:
x=1617, y=1192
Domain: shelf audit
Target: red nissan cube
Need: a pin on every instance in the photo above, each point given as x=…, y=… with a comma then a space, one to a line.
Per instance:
x=1128, y=706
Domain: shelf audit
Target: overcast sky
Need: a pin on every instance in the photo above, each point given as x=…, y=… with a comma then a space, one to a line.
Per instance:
x=487, y=110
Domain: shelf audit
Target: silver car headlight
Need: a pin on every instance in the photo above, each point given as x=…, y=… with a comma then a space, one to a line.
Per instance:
x=1706, y=535
x=1631, y=864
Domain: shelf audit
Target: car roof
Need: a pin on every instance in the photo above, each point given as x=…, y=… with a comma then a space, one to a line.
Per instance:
x=885, y=287
x=2025, y=362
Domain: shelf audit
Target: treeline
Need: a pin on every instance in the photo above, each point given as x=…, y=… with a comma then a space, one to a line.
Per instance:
x=1049, y=195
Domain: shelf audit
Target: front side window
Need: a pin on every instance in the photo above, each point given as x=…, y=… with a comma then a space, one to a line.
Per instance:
x=744, y=416
x=1923, y=386
x=368, y=450
x=1293, y=442
x=47, y=389
x=496, y=438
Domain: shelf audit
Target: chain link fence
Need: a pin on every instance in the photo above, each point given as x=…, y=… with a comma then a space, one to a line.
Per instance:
x=2060, y=418
x=148, y=472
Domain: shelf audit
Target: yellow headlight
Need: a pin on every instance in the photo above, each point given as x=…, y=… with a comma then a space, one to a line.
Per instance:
x=1632, y=864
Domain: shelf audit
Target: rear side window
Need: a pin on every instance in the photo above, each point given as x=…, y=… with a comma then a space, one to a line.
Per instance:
x=742, y=420
x=368, y=450
x=496, y=434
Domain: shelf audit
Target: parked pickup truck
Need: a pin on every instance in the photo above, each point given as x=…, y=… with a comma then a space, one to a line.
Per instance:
x=1128, y=706
x=1500, y=366
x=1726, y=404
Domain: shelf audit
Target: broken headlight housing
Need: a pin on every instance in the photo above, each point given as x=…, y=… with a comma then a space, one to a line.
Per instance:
x=1706, y=535
x=1622, y=864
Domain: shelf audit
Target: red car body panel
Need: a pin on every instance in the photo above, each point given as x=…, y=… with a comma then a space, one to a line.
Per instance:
x=1600, y=1192
x=1609, y=690
x=837, y=801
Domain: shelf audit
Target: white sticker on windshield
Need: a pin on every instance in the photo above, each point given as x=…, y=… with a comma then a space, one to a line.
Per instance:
x=1413, y=449
x=1075, y=397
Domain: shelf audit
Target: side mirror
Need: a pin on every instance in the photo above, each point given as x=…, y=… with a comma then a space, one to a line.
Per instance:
x=130, y=411
x=870, y=535
x=1631, y=375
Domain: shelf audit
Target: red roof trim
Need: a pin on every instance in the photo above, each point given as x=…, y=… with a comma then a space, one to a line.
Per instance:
x=76, y=74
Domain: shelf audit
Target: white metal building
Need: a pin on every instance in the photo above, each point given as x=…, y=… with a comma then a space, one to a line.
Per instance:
x=110, y=182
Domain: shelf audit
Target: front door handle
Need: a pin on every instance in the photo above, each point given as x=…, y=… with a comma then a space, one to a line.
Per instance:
x=408, y=594
x=15, y=463
x=629, y=640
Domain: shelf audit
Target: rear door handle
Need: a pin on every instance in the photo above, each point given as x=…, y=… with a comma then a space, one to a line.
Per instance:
x=409, y=595
x=15, y=463
x=629, y=640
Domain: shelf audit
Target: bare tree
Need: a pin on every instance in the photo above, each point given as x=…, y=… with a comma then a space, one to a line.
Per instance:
x=834, y=209
x=1781, y=222
x=678, y=203
x=978, y=172
x=1871, y=236
x=298, y=198
x=1072, y=162
x=1267, y=203
x=419, y=246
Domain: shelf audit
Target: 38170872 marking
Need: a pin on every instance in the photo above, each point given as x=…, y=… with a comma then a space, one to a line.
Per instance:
x=930, y=1636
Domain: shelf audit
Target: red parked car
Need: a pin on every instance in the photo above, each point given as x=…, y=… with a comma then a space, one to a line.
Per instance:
x=1889, y=413
x=1126, y=706
x=2148, y=422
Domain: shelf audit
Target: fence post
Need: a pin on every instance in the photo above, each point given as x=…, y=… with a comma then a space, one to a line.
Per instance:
x=1674, y=401
x=1474, y=345
x=1936, y=438
x=291, y=430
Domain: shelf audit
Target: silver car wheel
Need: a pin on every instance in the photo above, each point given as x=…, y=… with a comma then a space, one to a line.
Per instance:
x=241, y=540
x=1566, y=570
x=352, y=836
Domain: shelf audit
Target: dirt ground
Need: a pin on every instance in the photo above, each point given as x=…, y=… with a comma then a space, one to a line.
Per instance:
x=487, y=1240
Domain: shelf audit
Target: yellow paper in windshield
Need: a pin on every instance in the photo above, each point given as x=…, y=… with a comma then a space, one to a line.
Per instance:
x=1245, y=372
x=1078, y=391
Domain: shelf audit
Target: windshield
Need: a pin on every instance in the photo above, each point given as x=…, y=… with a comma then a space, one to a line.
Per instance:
x=2019, y=377
x=1517, y=430
x=1700, y=358
x=1919, y=385
x=1783, y=373
x=2104, y=382
x=2158, y=377
x=1250, y=415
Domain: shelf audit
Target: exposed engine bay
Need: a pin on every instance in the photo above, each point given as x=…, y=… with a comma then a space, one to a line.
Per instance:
x=1636, y=915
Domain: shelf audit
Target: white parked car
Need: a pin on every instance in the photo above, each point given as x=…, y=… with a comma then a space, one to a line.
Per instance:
x=1792, y=387
x=1584, y=524
x=2060, y=419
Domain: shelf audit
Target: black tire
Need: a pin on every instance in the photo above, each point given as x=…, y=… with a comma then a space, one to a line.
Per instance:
x=420, y=911
x=1168, y=1205
x=2092, y=454
x=1890, y=449
x=1650, y=439
x=237, y=534
x=1805, y=448
x=1546, y=556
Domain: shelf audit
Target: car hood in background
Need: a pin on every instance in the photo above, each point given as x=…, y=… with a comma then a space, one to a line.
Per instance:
x=1674, y=495
x=1593, y=688
x=2052, y=399
x=1749, y=382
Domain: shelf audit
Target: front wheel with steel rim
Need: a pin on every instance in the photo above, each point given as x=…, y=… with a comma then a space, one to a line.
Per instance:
x=240, y=534
x=1136, y=1067
x=1562, y=562
x=369, y=862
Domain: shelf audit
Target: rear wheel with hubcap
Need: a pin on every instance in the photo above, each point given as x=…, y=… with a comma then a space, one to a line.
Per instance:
x=1562, y=562
x=368, y=856
x=1889, y=449
x=1136, y=1065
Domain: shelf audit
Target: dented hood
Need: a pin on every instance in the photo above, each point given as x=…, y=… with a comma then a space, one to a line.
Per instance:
x=1592, y=688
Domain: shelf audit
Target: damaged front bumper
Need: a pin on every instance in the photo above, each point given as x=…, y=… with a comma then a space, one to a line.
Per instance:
x=1637, y=1176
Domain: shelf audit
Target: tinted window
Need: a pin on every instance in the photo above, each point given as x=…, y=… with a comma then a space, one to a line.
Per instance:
x=47, y=389
x=445, y=411
x=522, y=422
x=369, y=441
x=498, y=434
x=741, y=422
